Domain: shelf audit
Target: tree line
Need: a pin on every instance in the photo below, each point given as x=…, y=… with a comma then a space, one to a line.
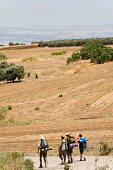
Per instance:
x=74, y=42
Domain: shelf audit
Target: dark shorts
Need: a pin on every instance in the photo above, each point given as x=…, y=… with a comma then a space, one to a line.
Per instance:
x=69, y=151
x=43, y=153
x=81, y=151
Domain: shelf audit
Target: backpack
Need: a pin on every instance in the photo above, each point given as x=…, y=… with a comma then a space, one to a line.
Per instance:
x=83, y=141
x=44, y=144
x=64, y=146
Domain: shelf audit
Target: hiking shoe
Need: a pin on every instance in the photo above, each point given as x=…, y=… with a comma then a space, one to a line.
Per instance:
x=71, y=160
x=62, y=163
x=84, y=159
x=40, y=166
x=80, y=159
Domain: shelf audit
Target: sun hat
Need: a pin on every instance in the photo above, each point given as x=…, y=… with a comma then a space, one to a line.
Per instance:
x=67, y=134
x=42, y=137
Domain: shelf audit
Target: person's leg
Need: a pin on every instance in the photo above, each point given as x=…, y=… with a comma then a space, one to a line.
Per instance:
x=71, y=151
x=61, y=156
x=68, y=156
x=40, y=159
x=82, y=157
x=64, y=156
x=45, y=157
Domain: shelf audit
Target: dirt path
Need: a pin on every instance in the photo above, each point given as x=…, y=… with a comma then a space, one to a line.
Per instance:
x=91, y=163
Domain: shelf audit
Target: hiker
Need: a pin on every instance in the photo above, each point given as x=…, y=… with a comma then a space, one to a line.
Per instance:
x=63, y=150
x=42, y=150
x=82, y=146
x=69, y=139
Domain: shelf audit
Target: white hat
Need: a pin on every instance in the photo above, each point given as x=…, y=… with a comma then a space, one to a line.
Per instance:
x=42, y=137
x=67, y=134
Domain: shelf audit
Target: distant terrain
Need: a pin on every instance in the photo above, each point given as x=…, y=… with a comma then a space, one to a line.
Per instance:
x=85, y=106
x=38, y=33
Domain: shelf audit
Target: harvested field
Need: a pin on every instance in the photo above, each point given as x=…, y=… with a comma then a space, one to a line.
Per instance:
x=86, y=105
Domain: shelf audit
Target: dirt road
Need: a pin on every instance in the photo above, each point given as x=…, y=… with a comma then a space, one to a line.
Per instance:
x=91, y=163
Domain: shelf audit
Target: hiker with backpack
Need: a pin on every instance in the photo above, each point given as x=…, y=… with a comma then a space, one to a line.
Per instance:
x=82, y=146
x=42, y=150
x=69, y=139
x=62, y=150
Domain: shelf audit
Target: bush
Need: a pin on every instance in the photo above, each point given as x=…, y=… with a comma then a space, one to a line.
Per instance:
x=95, y=51
x=11, y=72
x=59, y=53
x=66, y=167
x=2, y=56
x=2, y=114
x=15, y=161
x=105, y=149
x=9, y=107
x=60, y=95
x=29, y=59
x=37, y=108
x=28, y=164
x=75, y=57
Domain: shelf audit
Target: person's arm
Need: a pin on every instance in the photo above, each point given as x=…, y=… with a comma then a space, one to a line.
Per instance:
x=38, y=147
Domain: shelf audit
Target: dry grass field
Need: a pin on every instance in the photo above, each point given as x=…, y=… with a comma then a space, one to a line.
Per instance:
x=86, y=105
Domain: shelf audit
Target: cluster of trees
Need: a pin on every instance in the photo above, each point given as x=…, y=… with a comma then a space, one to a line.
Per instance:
x=74, y=42
x=12, y=44
x=11, y=72
x=93, y=50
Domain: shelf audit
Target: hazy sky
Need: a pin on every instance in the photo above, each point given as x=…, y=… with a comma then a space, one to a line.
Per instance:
x=55, y=12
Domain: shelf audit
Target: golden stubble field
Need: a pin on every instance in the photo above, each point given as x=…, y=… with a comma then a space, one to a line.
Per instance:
x=86, y=105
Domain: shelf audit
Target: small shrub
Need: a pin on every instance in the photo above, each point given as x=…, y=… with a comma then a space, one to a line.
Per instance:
x=59, y=53
x=60, y=95
x=106, y=167
x=2, y=56
x=36, y=76
x=16, y=155
x=105, y=149
x=15, y=161
x=37, y=108
x=28, y=74
x=66, y=167
x=9, y=107
x=3, y=113
x=28, y=164
x=29, y=59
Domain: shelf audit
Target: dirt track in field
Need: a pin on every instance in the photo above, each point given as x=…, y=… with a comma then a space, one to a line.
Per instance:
x=91, y=163
x=86, y=105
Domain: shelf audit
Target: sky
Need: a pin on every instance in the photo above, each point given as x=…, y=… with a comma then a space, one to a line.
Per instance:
x=22, y=13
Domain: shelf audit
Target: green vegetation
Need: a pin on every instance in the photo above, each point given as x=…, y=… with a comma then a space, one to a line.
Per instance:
x=29, y=59
x=9, y=107
x=73, y=42
x=3, y=111
x=12, y=44
x=59, y=53
x=93, y=50
x=15, y=161
x=66, y=167
x=11, y=72
x=105, y=149
x=2, y=56
x=37, y=108
x=2, y=114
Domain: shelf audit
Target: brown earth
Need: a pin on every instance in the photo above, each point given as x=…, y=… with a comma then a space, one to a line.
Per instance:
x=86, y=105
